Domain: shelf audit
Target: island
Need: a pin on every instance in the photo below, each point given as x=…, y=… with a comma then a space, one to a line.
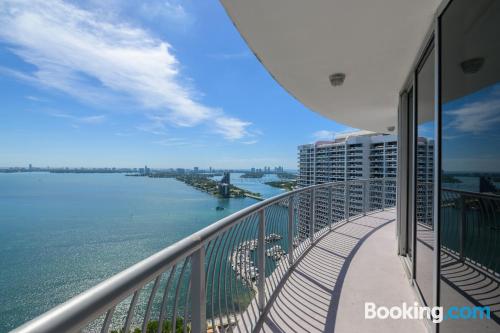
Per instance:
x=286, y=175
x=288, y=185
x=252, y=175
x=450, y=179
x=205, y=184
x=211, y=186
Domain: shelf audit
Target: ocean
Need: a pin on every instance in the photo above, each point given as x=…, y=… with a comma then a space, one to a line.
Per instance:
x=61, y=234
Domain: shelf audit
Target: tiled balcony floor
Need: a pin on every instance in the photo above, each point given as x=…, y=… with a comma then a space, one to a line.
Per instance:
x=327, y=289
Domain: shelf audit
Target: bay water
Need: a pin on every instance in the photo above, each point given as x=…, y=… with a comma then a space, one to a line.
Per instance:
x=61, y=234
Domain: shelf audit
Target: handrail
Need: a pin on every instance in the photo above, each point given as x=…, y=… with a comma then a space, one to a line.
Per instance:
x=473, y=194
x=470, y=226
x=80, y=311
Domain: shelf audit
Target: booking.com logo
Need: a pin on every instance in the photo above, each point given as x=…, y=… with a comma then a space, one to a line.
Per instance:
x=435, y=313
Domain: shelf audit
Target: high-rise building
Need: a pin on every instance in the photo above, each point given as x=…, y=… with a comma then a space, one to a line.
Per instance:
x=224, y=185
x=424, y=176
x=358, y=155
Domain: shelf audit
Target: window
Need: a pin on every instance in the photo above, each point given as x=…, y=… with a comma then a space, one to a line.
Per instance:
x=470, y=150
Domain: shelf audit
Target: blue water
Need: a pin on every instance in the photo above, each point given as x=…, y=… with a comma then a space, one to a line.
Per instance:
x=63, y=233
x=256, y=185
x=470, y=184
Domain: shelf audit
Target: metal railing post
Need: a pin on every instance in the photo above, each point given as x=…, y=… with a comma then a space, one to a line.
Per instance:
x=346, y=200
x=261, y=257
x=198, y=296
x=365, y=187
x=462, y=228
x=312, y=215
x=290, y=230
x=383, y=193
x=330, y=206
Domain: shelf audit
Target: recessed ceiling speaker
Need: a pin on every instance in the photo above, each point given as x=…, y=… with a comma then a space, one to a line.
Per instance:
x=337, y=79
x=471, y=66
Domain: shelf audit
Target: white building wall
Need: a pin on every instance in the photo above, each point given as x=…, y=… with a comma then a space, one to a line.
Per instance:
x=369, y=155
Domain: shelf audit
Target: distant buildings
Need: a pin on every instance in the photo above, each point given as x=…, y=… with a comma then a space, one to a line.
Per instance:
x=145, y=171
x=357, y=155
x=224, y=185
x=267, y=169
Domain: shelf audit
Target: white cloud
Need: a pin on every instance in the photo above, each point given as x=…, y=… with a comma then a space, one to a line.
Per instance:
x=153, y=127
x=169, y=142
x=36, y=98
x=330, y=135
x=323, y=135
x=169, y=10
x=124, y=134
x=89, y=120
x=89, y=56
x=476, y=117
x=231, y=128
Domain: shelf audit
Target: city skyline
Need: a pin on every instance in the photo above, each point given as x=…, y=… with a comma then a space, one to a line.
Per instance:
x=263, y=169
x=169, y=83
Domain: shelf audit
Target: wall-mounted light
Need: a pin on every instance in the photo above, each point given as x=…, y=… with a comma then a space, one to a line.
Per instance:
x=471, y=66
x=337, y=79
x=391, y=128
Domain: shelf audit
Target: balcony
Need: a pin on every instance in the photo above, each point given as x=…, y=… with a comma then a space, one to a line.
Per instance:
x=306, y=260
x=327, y=288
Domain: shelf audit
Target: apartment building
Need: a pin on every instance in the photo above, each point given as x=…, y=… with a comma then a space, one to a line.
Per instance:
x=355, y=155
x=361, y=155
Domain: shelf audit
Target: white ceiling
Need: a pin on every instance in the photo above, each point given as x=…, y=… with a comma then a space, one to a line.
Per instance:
x=374, y=42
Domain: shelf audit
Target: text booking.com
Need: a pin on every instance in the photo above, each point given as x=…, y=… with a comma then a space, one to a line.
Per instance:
x=436, y=314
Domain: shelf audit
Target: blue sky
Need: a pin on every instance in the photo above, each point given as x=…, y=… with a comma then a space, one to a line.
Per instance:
x=162, y=83
x=471, y=140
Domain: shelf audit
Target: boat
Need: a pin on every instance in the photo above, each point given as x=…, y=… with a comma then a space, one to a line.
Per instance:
x=273, y=238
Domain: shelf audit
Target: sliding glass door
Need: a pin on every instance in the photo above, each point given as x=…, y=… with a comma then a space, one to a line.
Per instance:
x=470, y=155
x=449, y=175
x=423, y=155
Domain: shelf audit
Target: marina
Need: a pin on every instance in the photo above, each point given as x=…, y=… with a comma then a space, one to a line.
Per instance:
x=242, y=259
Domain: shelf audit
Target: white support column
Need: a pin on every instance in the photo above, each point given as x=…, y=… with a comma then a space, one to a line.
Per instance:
x=198, y=296
x=330, y=206
x=290, y=230
x=312, y=216
x=346, y=200
x=261, y=260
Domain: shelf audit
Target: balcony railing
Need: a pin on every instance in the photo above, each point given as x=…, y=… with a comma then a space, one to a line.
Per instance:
x=211, y=279
x=470, y=227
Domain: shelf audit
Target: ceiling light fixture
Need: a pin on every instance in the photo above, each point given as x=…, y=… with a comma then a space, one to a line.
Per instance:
x=471, y=66
x=337, y=79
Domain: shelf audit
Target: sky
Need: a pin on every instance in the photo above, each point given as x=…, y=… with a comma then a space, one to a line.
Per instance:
x=126, y=84
x=470, y=137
